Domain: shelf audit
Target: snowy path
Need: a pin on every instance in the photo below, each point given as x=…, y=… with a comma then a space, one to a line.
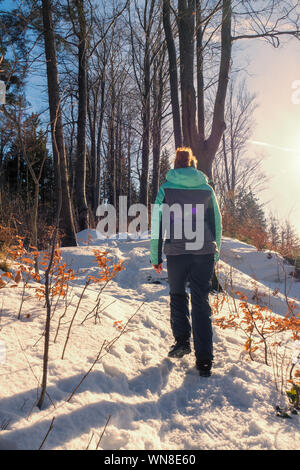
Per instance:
x=154, y=402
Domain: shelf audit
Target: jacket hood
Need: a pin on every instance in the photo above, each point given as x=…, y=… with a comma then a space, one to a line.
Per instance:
x=186, y=177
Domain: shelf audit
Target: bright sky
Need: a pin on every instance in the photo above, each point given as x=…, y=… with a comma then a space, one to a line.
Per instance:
x=272, y=75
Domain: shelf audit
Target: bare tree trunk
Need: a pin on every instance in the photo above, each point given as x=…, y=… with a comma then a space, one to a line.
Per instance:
x=227, y=176
x=57, y=140
x=144, y=183
x=218, y=124
x=92, y=117
x=193, y=135
x=99, y=142
x=200, y=76
x=158, y=91
x=70, y=148
x=172, y=73
x=66, y=222
x=143, y=55
x=80, y=175
x=129, y=165
x=186, y=27
x=111, y=145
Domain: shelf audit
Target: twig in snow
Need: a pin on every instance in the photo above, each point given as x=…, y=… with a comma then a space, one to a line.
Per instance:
x=112, y=342
x=32, y=371
x=48, y=432
x=88, y=446
x=96, y=307
x=73, y=318
x=88, y=372
x=107, y=346
x=67, y=304
x=104, y=429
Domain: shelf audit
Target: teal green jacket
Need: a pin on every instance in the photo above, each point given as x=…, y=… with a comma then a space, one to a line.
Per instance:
x=186, y=187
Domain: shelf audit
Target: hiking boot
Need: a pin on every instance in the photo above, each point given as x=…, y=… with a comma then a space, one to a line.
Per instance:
x=180, y=349
x=204, y=367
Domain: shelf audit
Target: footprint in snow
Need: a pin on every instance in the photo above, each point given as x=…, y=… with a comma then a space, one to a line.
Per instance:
x=129, y=349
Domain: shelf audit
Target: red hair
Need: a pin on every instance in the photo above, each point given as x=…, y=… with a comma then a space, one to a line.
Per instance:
x=185, y=158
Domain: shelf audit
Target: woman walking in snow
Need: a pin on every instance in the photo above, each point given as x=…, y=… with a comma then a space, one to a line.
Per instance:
x=187, y=200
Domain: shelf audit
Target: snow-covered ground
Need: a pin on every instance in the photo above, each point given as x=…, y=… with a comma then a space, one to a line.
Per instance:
x=153, y=402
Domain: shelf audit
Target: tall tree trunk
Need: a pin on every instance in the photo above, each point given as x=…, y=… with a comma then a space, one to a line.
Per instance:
x=118, y=153
x=186, y=27
x=111, y=154
x=99, y=142
x=129, y=165
x=227, y=175
x=144, y=182
x=70, y=149
x=218, y=124
x=66, y=222
x=92, y=117
x=173, y=74
x=58, y=146
x=191, y=134
x=158, y=90
x=80, y=175
x=200, y=76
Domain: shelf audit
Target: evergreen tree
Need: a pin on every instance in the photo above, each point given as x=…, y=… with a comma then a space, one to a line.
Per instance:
x=248, y=208
x=273, y=232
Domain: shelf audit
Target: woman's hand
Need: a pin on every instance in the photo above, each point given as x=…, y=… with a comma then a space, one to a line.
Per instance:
x=158, y=268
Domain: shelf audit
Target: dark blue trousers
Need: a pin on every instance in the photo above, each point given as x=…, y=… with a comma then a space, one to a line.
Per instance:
x=198, y=271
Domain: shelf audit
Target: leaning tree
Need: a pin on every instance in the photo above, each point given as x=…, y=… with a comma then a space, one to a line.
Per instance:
x=199, y=36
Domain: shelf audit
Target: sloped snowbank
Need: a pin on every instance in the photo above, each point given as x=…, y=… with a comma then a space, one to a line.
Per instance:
x=154, y=402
